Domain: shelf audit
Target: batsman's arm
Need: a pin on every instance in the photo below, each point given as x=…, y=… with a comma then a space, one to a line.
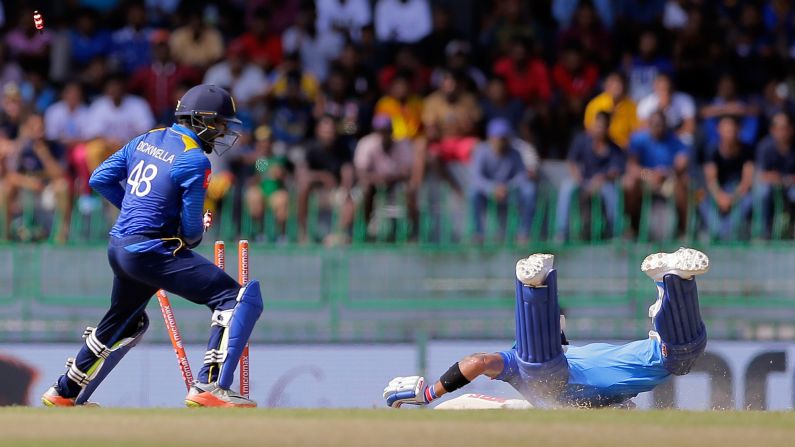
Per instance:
x=192, y=173
x=106, y=179
x=414, y=391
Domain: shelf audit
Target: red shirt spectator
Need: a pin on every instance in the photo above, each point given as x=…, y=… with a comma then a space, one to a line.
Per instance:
x=259, y=45
x=525, y=78
x=575, y=78
x=158, y=81
x=406, y=62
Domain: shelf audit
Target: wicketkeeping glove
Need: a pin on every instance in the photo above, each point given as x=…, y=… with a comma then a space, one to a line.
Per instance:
x=408, y=390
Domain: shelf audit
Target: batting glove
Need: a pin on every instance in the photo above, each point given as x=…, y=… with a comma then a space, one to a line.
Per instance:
x=207, y=220
x=408, y=390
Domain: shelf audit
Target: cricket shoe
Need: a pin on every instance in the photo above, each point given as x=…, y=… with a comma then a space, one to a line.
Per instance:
x=52, y=398
x=532, y=271
x=211, y=395
x=684, y=263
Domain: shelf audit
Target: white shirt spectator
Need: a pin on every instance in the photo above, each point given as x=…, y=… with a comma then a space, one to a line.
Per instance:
x=348, y=15
x=131, y=118
x=682, y=108
x=62, y=124
x=250, y=83
x=404, y=22
x=316, y=53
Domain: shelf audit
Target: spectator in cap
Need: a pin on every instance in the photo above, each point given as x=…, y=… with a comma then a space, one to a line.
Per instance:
x=381, y=162
x=499, y=174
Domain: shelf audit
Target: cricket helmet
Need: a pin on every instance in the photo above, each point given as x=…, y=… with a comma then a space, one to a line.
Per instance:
x=209, y=110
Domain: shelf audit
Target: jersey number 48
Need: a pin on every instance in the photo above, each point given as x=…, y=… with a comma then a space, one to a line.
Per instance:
x=141, y=178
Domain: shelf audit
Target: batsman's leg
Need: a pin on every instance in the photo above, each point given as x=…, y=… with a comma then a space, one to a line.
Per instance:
x=119, y=331
x=676, y=314
x=235, y=312
x=537, y=367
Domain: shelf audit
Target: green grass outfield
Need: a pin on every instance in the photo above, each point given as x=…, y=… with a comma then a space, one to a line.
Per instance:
x=86, y=427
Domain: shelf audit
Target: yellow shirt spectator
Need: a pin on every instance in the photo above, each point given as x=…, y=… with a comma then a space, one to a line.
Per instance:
x=623, y=117
x=406, y=117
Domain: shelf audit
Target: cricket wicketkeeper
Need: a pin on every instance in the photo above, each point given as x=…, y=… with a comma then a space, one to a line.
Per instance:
x=594, y=375
x=158, y=180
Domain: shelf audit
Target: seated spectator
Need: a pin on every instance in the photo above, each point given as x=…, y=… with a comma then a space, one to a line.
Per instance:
x=431, y=48
x=679, y=108
x=574, y=79
x=65, y=123
x=291, y=114
x=693, y=53
x=35, y=165
x=244, y=79
x=10, y=71
x=114, y=119
x=36, y=91
x=658, y=161
x=498, y=173
x=317, y=48
x=359, y=73
x=402, y=21
x=726, y=102
x=776, y=98
x=510, y=19
x=382, y=162
x=336, y=101
x=196, y=44
x=261, y=45
x=776, y=162
x=457, y=52
x=88, y=41
x=449, y=117
x=12, y=110
x=526, y=77
x=131, y=43
x=291, y=69
x=406, y=62
x=622, y=109
x=267, y=188
x=157, y=81
x=346, y=17
x=497, y=104
x=587, y=31
x=595, y=162
x=327, y=167
x=642, y=69
x=729, y=176
x=403, y=108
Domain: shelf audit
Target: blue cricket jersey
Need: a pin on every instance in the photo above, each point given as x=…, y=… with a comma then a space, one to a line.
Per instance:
x=158, y=180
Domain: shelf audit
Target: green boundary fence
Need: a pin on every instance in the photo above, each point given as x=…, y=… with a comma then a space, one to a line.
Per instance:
x=382, y=293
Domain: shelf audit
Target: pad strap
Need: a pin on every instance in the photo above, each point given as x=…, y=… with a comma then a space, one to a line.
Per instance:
x=215, y=356
x=97, y=347
x=77, y=376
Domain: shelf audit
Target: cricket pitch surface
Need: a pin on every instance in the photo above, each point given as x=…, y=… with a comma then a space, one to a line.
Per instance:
x=88, y=427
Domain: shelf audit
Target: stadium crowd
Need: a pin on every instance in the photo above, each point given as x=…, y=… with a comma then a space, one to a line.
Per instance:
x=383, y=108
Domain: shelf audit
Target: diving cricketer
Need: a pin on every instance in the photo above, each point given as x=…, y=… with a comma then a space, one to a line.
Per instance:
x=158, y=180
x=594, y=375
